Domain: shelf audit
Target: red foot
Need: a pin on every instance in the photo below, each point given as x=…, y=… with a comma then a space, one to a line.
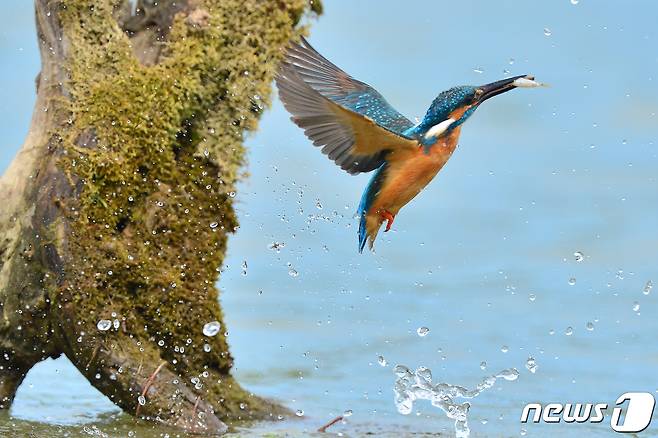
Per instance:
x=389, y=217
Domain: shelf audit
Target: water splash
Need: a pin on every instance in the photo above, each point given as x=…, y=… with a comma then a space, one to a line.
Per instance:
x=417, y=385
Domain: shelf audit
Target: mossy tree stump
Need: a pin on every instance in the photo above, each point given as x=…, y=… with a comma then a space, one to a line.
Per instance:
x=119, y=203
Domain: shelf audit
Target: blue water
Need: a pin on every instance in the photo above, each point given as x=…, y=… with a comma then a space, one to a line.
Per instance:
x=539, y=175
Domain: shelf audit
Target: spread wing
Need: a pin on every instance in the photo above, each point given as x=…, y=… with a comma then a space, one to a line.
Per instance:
x=349, y=119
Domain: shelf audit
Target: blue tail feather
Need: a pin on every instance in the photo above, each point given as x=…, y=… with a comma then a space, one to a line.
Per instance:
x=369, y=194
x=363, y=237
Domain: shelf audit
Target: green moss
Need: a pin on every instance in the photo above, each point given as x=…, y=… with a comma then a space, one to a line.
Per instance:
x=155, y=152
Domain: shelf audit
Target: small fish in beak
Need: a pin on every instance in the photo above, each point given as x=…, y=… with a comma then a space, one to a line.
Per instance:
x=527, y=82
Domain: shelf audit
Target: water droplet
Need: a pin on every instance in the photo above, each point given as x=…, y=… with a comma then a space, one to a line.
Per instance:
x=531, y=365
x=547, y=32
x=401, y=371
x=299, y=412
x=636, y=306
x=569, y=331
x=422, y=331
x=532, y=297
x=244, y=267
x=579, y=256
x=574, y=2
x=207, y=348
x=509, y=374
x=104, y=325
x=381, y=361
x=141, y=400
x=214, y=225
x=647, y=288
x=424, y=374
x=478, y=70
x=589, y=326
x=504, y=348
x=347, y=413
x=231, y=194
x=211, y=328
x=276, y=246
x=483, y=365
x=318, y=204
x=572, y=281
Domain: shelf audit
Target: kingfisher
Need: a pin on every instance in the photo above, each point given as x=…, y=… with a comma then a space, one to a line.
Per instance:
x=361, y=132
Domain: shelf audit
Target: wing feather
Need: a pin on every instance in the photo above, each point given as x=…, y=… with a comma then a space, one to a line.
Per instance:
x=348, y=119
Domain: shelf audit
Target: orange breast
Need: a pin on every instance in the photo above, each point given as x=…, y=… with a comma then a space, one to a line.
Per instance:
x=409, y=172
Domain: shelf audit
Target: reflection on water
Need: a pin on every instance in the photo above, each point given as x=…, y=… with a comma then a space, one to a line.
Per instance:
x=538, y=239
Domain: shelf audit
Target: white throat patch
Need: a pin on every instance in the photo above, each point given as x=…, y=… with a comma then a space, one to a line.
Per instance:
x=439, y=129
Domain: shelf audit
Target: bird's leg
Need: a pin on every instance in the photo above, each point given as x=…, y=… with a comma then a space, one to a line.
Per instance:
x=388, y=217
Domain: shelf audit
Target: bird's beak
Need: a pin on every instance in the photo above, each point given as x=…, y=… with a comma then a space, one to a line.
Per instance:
x=495, y=88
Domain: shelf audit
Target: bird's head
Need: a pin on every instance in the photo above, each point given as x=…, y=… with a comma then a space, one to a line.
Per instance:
x=453, y=107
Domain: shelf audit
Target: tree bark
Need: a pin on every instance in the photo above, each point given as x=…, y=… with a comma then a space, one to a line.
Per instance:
x=115, y=212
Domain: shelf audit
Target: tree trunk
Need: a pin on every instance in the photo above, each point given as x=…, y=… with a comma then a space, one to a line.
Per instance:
x=115, y=212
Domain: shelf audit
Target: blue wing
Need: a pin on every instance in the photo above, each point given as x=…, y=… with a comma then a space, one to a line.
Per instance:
x=349, y=119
